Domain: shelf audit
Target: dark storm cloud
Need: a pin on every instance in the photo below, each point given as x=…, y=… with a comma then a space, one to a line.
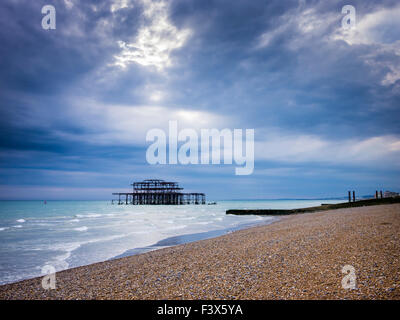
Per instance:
x=327, y=80
x=281, y=67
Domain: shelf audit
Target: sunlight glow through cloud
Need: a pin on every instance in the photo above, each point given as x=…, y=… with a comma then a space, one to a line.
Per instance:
x=104, y=124
x=119, y=4
x=155, y=41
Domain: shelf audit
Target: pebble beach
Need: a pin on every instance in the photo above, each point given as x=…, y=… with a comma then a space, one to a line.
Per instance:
x=300, y=256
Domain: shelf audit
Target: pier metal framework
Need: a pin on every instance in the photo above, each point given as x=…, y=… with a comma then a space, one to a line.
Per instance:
x=155, y=191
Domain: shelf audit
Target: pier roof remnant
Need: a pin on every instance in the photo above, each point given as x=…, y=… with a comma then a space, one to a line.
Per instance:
x=156, y=191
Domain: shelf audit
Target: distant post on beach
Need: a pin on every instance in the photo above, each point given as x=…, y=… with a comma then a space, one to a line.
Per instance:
x=381, y=195
x=376, y=194
x=354, y=196
x=350, y=196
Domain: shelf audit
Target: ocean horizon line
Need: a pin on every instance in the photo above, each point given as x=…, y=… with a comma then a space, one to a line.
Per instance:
x=209, y=200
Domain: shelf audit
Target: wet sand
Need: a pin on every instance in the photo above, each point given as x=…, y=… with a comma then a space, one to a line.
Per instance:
x=299, y=257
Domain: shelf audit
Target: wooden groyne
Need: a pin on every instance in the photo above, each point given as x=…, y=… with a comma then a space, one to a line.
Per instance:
x=323, y=207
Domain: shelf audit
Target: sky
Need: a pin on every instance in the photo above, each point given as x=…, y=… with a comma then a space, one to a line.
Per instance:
x=77, y=101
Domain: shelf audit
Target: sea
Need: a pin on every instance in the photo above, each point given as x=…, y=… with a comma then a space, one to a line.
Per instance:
x=67, y=234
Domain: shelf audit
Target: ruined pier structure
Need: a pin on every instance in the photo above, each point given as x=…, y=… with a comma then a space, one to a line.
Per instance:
x=154, y=191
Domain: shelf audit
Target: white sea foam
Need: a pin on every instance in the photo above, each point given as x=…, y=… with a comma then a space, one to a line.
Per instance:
x=131, y=227
x=94, y=215
x=140, y=232
x=69, y=246
x=182, y=226
x=84, y=228
x=59, y=262
x=188, y=218
x=43, y=224
x=21, y=220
